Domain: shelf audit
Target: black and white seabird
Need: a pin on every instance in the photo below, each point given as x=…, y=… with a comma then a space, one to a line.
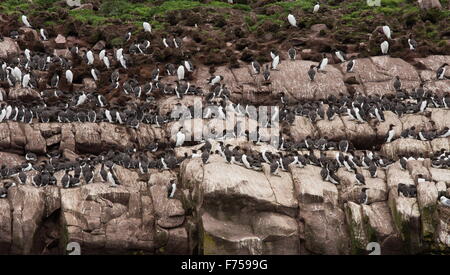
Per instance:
x=444, y=132
x=147, y=27
x=343, y=146
x=180, y=72
x=103, y=173
x=65, y=180
x=387, y=31
x=87, y=174
x=440, y=73
x=90, y=57
x=22, y=177
x=372, y=169
x=360, y=179
x=384, y=47
x=292, y=52
x=95, y=74
x=351, y=64
x=215, y=79
x=25, y=21
x=30, y=156
x=112, y=179
x=403, y=163
x=412, y=43
x=188, y=65
x=406, y=190
x=44, y=34
x=155, y=74
x=274, y=166
x=69, y=76
x=340, y=55
x=420, y=178
x=266, y=73
x=390, y=134
x=316, y=7
x=292, y=20
x=127, y=36
x=3, y=192
x=363, y=197
x=256, y=67
x=180, y=137
x=171, y=189
x=312, y=72
x=397, y=83
x=275, y=60
x=323, y=63
x=445, y=201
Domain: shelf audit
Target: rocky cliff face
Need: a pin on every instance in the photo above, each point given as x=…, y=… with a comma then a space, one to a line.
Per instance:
x=222, y=208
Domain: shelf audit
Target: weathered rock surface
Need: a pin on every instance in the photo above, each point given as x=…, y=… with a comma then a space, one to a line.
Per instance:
x=221, y=208
x=8, y=46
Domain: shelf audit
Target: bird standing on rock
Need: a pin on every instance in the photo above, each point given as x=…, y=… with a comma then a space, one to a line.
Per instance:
x=180, y=72
x=180, y=137
x=172, y=188
x=397, y=83
x=312, y=72
x=384, y=47
x=266, y=73
x=387, y=31
x=147, y=27
x=44, y=35
x=215, y=79
x=351, y=65
x=275, y=61
x=25, y=21
x=390, y=134
x=292, y=20
x=323, y=63
x=316, y=7
x=340, y=55
x=363, y=197
x=412, y=43
x=445, y=201
x=256, y=67
x=440, y=73
x=292, y=52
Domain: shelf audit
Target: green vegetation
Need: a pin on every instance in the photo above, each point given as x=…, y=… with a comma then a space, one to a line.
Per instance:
x=356, y=16
x=306, y=5
x=13, y=6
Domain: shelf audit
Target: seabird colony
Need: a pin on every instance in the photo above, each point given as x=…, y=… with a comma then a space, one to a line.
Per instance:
x=61, y=103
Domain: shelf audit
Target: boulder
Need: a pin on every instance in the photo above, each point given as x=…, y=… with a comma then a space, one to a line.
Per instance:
x=27, y=206
x=429, y=4
x=380, y=227
x=35, y=142
x=8, y=47
x=23, y=94
x=354, y=219
x=107, y=220
x=406, y=216
x=5, y=227
x=298, y=85
x=427, y=197
x=60, y=41
x=10, y=159
x=405, y=146
x=302, y=128
x=87, y=137
x=318, y=202
x=114, y=136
